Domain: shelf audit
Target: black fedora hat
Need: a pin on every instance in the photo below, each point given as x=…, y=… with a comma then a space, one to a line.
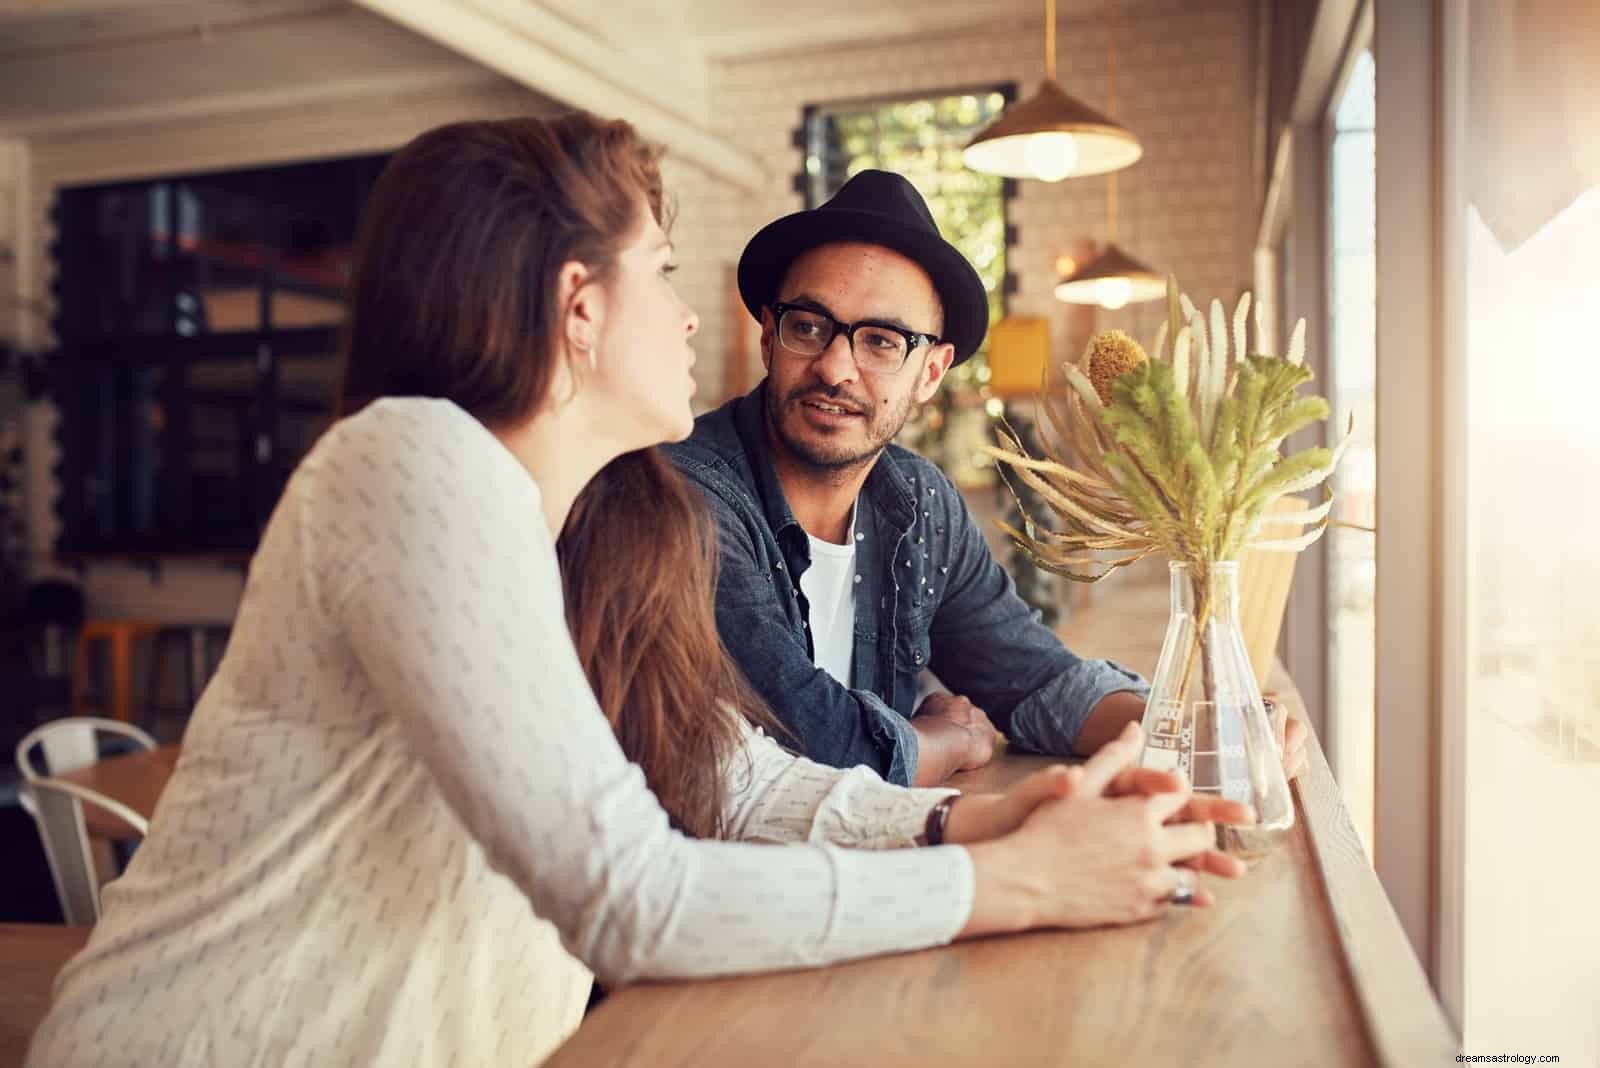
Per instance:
x=877, y=208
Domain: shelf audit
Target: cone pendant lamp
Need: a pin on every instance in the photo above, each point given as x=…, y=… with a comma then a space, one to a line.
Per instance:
x=1051, y=135
x=1112, y=280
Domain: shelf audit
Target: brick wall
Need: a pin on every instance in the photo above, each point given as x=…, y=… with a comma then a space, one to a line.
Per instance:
x=1184, y=87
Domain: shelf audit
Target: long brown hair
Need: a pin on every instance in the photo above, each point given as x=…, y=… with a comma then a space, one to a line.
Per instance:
x=454, y=295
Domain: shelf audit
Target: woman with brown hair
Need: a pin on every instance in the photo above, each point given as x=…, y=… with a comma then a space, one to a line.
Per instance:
x=474, y=734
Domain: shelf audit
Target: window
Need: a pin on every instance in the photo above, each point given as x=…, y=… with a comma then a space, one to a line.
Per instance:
x=1531, y=230
x=199, y=322
x=1532, y=941
x=922, y=139
x=1351, y=549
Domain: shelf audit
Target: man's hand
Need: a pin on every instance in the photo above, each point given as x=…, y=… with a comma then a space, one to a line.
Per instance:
x=964, y=713
x=1116, y=710
x=953, y=734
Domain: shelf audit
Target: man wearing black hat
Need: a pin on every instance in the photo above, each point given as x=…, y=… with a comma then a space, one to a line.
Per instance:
x=850, y=566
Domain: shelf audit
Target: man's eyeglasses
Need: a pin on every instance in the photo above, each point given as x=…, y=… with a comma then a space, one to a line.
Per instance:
x=879, y=348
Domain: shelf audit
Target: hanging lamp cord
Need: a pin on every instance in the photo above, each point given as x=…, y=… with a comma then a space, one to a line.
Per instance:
x=1050, y=39
x=1111, y=109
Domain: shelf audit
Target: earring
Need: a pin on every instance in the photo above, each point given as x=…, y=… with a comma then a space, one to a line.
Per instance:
x=588, y=350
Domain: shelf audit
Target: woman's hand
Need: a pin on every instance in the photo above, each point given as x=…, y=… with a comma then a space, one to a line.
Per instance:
x=1291, y=734
x=985, y=817
x=1108, y=849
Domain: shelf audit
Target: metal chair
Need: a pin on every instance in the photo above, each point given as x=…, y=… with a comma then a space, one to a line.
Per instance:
x=56, y=805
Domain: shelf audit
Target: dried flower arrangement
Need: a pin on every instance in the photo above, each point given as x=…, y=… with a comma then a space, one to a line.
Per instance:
x=1179, y=454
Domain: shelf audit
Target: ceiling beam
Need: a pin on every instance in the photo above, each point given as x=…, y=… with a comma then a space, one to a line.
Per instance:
x=508, y=44
x=319, y=57
x=368, y=123
x=675, y=86
x=243, y=103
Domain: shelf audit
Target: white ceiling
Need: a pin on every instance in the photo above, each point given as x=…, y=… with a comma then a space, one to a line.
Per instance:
x=75, y=66
x=731, y=29
x=664, y=30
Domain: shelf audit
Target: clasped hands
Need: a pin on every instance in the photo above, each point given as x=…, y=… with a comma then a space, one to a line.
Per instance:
x=1104, y=842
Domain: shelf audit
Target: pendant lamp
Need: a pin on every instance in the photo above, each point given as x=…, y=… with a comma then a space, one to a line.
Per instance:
x=1051, y=135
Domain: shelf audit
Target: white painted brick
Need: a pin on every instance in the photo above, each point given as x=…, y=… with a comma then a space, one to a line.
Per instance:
x=1183, y=86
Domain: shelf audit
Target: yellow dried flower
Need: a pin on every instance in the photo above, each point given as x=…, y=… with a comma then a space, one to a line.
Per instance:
x=1112, y=353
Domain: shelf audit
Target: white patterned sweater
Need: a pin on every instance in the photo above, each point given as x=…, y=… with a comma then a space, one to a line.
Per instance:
x=401, y=826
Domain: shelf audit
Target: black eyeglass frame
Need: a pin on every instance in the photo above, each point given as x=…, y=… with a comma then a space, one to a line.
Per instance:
x=781, y=308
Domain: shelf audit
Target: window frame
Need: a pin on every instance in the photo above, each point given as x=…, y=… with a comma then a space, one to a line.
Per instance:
x=1417, y=773
x=1360, y=40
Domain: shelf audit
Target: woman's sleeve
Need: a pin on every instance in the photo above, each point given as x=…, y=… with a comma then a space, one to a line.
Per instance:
x=429, y=552
x=775, y=796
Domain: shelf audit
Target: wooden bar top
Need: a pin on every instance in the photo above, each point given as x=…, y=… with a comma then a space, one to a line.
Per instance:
x=1301, y=962
x=31, y=955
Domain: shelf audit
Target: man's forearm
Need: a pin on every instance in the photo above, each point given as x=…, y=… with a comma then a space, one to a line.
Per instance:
x=1107, y=719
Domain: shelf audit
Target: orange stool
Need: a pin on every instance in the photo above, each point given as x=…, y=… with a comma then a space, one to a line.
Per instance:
x=119, y=636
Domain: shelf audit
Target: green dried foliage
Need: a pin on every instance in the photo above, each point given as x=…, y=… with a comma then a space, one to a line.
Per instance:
x=1165, y=466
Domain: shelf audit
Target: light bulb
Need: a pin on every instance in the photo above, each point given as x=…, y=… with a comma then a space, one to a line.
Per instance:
x=1051, y=156
x=1113, y=293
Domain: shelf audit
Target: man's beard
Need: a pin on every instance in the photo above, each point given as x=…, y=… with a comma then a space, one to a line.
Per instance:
x=825, y=456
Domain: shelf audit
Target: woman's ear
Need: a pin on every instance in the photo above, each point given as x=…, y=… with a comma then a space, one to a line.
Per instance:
x=584, y=303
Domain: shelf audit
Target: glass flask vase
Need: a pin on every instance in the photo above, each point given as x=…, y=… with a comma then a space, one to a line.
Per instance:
x=1206, y=717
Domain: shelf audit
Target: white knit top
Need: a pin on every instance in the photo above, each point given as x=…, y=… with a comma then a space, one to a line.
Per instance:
x=402, y=832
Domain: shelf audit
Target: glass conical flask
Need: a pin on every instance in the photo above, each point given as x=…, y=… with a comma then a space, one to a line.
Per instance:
x=1205, y=716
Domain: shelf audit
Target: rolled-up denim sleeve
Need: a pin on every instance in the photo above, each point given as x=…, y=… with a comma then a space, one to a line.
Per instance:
x=1050, y=719
x=827, y=722
x=990, y=647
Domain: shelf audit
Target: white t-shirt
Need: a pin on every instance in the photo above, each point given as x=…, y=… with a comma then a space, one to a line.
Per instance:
x=401, y=820
x=830, y=588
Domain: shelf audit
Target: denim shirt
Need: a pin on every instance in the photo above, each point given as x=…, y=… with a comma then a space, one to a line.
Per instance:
x=928, y=594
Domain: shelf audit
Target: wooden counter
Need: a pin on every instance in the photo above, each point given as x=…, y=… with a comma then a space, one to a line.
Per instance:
x=31, y=955
x=1301, y=962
